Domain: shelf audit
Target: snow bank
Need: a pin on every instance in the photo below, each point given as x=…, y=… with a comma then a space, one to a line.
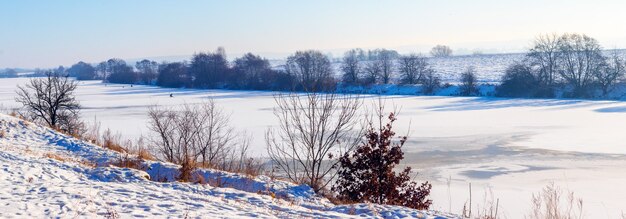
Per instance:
x=79, y=182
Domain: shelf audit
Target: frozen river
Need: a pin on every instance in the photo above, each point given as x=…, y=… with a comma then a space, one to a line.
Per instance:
x=507, y=148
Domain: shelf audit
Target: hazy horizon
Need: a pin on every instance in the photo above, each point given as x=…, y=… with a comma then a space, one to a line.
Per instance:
x=48, y=34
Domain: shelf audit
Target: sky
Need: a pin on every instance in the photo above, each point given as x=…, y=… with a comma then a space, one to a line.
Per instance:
x=62, y=32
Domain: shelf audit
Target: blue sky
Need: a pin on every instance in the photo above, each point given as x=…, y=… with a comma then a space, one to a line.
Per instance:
x=62, y=32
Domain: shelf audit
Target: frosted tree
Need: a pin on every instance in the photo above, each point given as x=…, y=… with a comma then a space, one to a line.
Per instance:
x=441, y=51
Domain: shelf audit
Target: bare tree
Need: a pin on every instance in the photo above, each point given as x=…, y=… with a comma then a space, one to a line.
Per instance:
x=254, y=69
x=610, y=72
x=314, y=129
x=413, y=68
x=373, y=71
x=174, y=133
x=114, y=65
x=217, y=137
x=192, y=133
x=82, y=71
x=351, y=66
x=147, y=71
x=311, y=68
x=386, y=59
x=430, y=82
x=544, y=55
x=209, y=69
x=441, y=51
x=581, y=57
x=468, y=85
x=51, y=100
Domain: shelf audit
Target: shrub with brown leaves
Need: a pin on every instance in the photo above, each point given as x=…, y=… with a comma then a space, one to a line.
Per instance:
x=367, y=174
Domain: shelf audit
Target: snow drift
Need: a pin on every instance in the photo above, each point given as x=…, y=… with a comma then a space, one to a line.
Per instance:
x=44, y=173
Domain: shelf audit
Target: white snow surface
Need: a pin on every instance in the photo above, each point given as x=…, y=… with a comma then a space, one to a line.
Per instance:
x=35, y=186
x=507, y=149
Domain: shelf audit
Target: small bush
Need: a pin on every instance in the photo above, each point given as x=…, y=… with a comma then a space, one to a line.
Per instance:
x=128, y=162
x=3, y=134
x=518, y=81
x=367, y=174
x=200, y=179
x=217, y=181
x=186, y=171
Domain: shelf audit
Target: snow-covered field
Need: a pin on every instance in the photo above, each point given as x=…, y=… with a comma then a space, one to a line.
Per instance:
x=506, y=148
x=44, y=174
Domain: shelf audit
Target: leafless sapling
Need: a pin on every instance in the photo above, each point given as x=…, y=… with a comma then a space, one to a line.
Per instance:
x=314, y=129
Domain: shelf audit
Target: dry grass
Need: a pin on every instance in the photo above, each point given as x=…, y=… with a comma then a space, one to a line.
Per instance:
x=85, y=163
x=112, y=141
x=252, y=168
x=55, y=157
x=128, y=162
x=3, y=134
x=551, y=203
x=114, y=146
x=488, y=209
x=88, y=163
x=144, y=154
x=333, y=199
x=248, y=167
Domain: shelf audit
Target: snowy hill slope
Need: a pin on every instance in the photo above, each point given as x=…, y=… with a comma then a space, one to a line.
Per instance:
x=47, y=174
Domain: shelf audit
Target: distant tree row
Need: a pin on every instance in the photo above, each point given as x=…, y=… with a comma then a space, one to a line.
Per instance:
x=8, y=73
x=385, y=65
x=213, y=70
x=574, y=64
x=571, y=65
x=304, y=70
x=116, y=71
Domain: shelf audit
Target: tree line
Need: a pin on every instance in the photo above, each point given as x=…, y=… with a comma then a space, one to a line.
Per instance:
x=308, y=70
x=573, y=64
x=567, y=65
